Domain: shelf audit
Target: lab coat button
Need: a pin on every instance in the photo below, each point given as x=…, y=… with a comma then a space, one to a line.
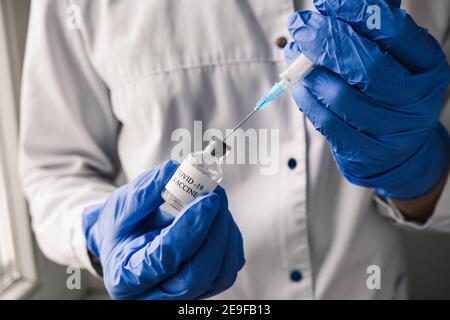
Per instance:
x=292, y=163
x=296, y=276
x=281, y=42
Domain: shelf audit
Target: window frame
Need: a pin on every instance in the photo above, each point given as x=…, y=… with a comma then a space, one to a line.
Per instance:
x=25, y=280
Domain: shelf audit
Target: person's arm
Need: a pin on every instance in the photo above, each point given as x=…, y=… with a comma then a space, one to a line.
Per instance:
x=68, y=134
x=421, y=209
x=377, y=101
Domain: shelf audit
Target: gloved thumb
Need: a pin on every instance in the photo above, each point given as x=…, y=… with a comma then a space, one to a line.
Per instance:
x=126, y=207
x=140, y=197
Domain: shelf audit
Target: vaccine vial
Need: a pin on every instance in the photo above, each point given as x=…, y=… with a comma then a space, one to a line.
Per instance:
x=198, y=174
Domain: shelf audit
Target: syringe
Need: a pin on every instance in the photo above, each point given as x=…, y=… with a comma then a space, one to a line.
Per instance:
x=289, y=78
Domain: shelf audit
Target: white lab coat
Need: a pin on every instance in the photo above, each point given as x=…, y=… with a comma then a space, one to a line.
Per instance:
x=107, y=98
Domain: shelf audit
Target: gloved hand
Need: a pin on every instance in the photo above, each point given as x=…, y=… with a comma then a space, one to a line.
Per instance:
x=148, y=254
x=376, y=95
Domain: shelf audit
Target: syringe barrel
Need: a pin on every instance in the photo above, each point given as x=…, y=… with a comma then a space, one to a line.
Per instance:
x=296, y=70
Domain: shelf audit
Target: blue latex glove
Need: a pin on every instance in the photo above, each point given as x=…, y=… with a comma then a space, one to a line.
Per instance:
x=376, y=95
x=146, y=253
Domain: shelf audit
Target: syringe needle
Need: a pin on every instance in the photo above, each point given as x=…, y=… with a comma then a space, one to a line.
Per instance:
x=240, y=124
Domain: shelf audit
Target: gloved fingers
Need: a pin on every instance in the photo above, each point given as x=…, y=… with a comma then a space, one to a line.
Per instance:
x=156, y=221
x=396, y=32
x=234, y=258
x=394, y=3
x=197, y=274
x=223, y=198
x=349, y=142
x=333, y=44
x=140, y=197
x=324, y=120
x=176, y=243
x=123, y=280
x=366, y=160
x=356, y=108
x=233, y=261
x=385, y=180
x=291, y=51
x=345, y=140
x=89, y=218
x=436, y=151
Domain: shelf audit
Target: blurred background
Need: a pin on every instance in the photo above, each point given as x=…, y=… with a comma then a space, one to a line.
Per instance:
x=26, y=274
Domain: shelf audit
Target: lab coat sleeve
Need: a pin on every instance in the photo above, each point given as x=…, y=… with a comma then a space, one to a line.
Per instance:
x=440, y=219
x=68, y=156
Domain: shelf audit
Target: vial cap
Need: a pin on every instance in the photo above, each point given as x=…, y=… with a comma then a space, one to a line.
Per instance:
x=217, y=147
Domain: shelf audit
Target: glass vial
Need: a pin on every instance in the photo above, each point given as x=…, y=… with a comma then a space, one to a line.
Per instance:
x=198, y=174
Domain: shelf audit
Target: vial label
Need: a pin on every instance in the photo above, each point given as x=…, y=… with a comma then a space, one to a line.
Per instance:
x=187, y=183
